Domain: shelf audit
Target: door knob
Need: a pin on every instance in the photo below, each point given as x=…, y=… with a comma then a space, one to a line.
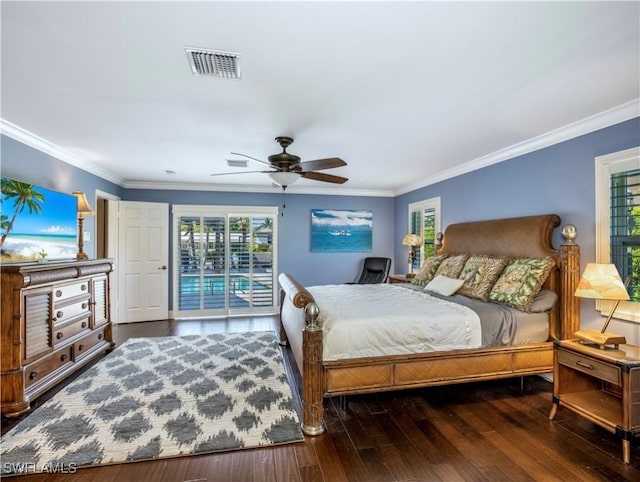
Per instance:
x=164, y=266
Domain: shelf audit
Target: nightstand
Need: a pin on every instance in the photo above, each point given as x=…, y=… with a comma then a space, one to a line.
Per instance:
x=400, y=278
x=601, y=385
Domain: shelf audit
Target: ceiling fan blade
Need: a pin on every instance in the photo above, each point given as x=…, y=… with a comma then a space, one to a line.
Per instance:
x=320, y=164
x=319, y=176
x=241, y=172
x=252, y=158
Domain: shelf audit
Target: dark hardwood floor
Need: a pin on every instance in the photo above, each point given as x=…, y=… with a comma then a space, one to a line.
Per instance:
x=488, y=431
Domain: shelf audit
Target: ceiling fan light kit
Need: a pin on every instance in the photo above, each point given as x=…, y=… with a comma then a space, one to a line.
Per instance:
x=284, y=179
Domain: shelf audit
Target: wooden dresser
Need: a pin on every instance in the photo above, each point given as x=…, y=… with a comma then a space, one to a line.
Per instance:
x=55, y=318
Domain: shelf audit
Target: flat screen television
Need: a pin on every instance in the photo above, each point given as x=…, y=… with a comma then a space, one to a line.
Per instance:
x=36, y=224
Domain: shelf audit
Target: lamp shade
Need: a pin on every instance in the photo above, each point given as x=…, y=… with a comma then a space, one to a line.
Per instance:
x=83, y=205
x=411, y=239
x=601, y=282
x=284, y=179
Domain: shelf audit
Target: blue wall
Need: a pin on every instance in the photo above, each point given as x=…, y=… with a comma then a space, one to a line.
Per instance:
x=294, y=226
x=558, y=179
x=24, y=163
x=30, y=165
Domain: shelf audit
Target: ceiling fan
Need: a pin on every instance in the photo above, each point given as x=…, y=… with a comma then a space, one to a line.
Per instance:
x=287, y=168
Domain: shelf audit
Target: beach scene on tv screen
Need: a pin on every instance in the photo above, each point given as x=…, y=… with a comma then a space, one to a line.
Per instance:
x=37, y=224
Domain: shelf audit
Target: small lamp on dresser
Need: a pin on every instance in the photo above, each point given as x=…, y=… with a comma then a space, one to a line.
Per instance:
x=602, y=282
x=411, y=240
x=83, y=210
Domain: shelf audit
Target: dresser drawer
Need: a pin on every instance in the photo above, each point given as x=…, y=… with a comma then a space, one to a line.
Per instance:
x=85, y=344
x=62, y=314
x=35, y=372
x=71, y=290
x=590, y=366
x=63, y=333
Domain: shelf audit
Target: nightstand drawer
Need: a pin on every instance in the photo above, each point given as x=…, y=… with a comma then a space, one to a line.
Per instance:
x=590, y=366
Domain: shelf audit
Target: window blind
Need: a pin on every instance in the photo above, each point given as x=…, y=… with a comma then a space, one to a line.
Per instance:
x=625, y=227
x=423, y=222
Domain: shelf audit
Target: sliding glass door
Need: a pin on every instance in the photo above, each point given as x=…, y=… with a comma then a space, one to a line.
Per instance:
x=224, y=260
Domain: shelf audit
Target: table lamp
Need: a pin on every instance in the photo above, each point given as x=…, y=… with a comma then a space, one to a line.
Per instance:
x=83, y=210
x=411, y=240
x=602, y=282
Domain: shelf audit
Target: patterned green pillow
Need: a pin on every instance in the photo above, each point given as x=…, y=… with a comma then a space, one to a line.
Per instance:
x=428, y=269
x=521, y=281
x=452, y=266
x=480, y=274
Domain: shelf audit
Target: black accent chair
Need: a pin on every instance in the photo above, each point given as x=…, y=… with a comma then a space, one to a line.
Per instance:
x=375, y=270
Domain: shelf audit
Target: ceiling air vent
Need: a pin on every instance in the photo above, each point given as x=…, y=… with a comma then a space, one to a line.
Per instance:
x=212, y=63
x=236, y=163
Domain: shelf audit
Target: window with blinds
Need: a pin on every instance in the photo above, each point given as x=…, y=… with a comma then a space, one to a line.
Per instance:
x=625, y=227
x=617, y=192
x=424, y=220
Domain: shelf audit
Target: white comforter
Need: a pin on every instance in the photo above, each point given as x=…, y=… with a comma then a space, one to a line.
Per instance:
x=386, y=319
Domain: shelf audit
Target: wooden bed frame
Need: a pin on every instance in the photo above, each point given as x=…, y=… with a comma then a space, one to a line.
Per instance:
x=514, y=237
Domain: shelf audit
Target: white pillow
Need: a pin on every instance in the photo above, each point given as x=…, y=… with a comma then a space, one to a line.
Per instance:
x=443, y=285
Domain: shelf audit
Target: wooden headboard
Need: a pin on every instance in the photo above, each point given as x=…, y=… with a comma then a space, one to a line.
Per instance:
x=528, y=236
x=525, y=237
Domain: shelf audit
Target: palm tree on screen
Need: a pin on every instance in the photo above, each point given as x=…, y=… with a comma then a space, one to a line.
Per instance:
x=22, y=195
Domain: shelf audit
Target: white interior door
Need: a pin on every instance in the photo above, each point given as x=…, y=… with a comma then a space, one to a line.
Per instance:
x=143, y=258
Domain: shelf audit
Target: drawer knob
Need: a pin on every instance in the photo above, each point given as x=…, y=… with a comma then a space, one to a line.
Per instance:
x=83, y=287
x=100, y=336
x=63, y=358
x=58, y=293
x=584, y=365
x=59, y=314
x=59, y=335
x=33, y=375
x=80, y=347
x=84, y=306
x=84, y=324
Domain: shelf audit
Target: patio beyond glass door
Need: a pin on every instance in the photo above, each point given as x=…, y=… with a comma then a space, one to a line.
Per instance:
x=225, y=264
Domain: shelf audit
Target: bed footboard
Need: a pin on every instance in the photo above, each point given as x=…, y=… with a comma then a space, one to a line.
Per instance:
x=306, y=345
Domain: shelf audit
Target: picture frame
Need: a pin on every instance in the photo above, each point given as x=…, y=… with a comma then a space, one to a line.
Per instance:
x=341, y=231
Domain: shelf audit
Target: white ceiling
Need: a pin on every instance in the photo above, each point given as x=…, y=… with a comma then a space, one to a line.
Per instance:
x=406, y=93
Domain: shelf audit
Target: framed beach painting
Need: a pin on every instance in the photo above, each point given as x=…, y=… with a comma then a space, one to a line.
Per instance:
x=36, y=224
x=341, y=231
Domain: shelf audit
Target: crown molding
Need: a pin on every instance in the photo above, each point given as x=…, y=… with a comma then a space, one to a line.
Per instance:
x=175, y=186
x=36, y=142
x=615, y=115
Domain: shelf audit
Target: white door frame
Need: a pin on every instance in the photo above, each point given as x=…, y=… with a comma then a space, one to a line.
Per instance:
x=111, y=242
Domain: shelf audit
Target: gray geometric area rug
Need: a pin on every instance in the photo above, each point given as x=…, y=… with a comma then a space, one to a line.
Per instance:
x=161, y=397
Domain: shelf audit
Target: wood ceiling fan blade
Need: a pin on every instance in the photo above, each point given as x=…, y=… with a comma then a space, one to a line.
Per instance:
x=319, y=176
x=320, y=164
x=243, y=172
